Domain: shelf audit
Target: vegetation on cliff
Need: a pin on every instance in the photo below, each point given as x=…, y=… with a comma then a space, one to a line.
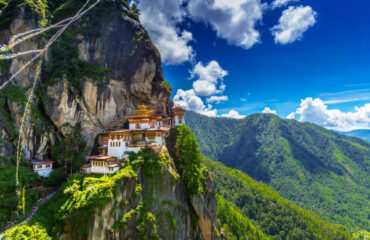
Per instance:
x=268, y=211
x=188, y=159
x=26, y=232
x=313, y=167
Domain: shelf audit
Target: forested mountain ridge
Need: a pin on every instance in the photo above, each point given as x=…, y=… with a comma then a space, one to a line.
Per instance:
x=246, y=206
x=311, y=166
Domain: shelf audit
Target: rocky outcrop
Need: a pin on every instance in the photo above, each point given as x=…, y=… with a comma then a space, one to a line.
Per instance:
x=176, y=214
x=113, y=41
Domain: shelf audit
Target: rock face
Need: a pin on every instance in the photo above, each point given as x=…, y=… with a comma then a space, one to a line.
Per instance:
x=114, y=41
x=177, y=216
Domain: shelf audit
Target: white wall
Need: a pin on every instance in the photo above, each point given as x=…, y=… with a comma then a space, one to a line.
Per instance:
x=142, y=126
x=116, y=151
x=43, y=171
x=177, y=121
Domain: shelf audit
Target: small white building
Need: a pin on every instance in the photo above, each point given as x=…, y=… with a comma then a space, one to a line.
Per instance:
x=101, y=164
x=42, y=168
x=178, y=116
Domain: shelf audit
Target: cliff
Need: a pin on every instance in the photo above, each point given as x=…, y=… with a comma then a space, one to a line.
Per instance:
x=102, y=67
x=147, y=199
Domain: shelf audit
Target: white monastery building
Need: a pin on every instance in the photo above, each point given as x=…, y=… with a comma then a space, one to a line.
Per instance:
x=145, y=129
x=42, y=168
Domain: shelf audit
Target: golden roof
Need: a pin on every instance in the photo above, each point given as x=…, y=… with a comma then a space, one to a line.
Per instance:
x=143, y=111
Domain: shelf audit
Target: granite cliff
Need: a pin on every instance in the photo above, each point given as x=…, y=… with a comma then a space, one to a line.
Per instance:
x=102, y=68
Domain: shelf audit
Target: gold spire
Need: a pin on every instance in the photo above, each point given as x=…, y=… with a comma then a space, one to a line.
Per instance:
x=143, y=111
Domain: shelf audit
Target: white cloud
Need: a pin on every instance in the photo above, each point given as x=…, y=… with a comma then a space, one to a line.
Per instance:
x=293, y=23
x=281, y=3
x=160, y=18
x=291, y=116
x=233, y=20
x=190, y=101
x=209, y=78
x=268, y=110
x=233, y=114
x=243, y=99
x=217, y=99
x=315, y=111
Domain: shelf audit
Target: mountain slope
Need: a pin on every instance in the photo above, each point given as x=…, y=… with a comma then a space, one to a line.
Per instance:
x=313, y=167
x=265, y=208
x=361, y=133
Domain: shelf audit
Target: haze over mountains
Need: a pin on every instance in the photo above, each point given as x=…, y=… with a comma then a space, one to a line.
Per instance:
x=311, y=166
x=361, y=133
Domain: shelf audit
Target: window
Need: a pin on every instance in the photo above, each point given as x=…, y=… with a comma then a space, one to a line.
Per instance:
x=119, y=144
x=39, y=166
x=110, y=144
x=47, y=165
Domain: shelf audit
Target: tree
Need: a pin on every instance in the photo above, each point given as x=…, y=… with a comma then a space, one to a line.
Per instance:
x=188, y=159
x=25, y=232
x=70, y=151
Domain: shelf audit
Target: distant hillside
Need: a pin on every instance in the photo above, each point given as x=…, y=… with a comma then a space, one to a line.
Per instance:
x=311, y=166
x=362, y=133
x=248, y=209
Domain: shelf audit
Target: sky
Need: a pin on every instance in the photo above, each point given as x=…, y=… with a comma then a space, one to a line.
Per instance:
x=307, y=60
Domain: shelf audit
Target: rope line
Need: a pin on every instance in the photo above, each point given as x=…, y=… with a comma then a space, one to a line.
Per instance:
x=26, y=113
x=8, y=56
x=79, y=14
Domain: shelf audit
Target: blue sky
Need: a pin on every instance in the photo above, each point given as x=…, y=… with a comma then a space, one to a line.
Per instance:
x=317, y=65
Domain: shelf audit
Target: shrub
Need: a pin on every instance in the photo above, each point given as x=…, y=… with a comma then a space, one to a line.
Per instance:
x=56, y=178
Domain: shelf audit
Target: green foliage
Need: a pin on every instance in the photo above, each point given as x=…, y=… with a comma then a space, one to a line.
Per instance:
x=69, y=152
x=236, y=226
x=39, y=7
x=134, y=11
x=188, y=159
x=313, y=167
x=26, y=232
x=167, y=85
x=80, y=196
x=148, y=161
x=56, y=178
x=8, y=197
x=268, y=211
x=361, y=235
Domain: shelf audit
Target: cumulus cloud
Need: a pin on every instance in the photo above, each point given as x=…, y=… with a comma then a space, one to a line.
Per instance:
x=233, y=20
x=233, y=114
x=316, y=111
x=293, y=23
x=217, y=99
x=268, y=110
x=190, y=101
x=209, y=78
x=281, y=3
x=160, y=18
x=291, y=116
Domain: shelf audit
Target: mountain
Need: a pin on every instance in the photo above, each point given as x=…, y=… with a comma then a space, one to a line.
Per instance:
x=154, y=196
x=313, y=167
x=247, y=206
x=101, y=68
x=361, y=133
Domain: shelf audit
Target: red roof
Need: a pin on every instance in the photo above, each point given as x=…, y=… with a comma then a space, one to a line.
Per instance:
x=42, y=162
x=99, y=157
x=87, y=165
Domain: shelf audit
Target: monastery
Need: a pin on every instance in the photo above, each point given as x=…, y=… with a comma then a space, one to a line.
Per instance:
x=145, y=129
